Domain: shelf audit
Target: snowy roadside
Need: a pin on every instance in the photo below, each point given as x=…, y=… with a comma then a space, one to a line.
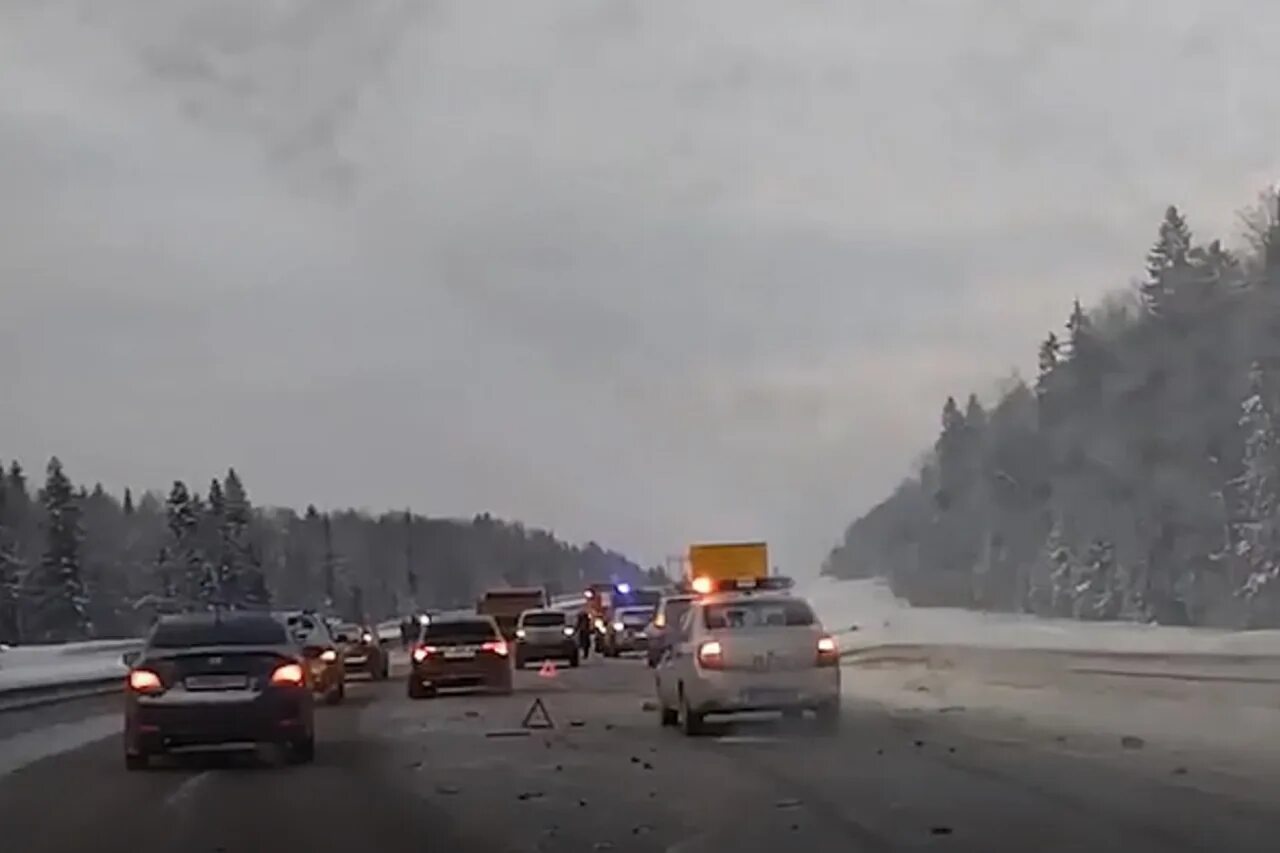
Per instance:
x=1198, y=707
x=1214, y=735
x=26, y=667
x=883, y=619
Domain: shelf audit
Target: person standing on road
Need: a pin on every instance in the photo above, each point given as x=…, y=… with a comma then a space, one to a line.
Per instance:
x=584, y=633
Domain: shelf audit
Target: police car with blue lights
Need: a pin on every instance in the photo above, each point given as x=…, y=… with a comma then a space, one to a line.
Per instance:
x=747, y=645
x=619, y=615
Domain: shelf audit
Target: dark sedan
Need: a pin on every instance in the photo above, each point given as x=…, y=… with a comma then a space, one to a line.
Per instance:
x=362, y=651
x=217, y=679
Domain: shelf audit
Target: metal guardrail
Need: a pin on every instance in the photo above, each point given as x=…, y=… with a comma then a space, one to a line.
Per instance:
x=36, y=695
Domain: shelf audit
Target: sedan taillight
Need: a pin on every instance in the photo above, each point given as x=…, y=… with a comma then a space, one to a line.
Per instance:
x=497, y=647
x=421, y=653
x=288, y=675
x=145, y=681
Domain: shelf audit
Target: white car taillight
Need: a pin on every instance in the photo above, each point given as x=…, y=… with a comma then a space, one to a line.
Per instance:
x=711, y=655
x=828, y=652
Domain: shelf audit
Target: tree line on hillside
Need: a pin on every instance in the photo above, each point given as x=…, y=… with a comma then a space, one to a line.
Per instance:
x=78, y=563
x=1138, y=478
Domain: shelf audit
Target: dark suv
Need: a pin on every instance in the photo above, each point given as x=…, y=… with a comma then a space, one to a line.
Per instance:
x=217, y=679
x=459, y=651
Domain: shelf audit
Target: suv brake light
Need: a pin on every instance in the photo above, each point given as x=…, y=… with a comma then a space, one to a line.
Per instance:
x=288, y=675
x=497, y=647
x=421, y=653
x=145, y=681
x=711, y=655
x=828, y=652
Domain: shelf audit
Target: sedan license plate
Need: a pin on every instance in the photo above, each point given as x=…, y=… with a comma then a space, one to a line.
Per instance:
x=768, y=696
x=216, y=682
x=459, y=654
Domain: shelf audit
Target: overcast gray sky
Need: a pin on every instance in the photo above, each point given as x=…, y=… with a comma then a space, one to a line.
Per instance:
x=645, y=272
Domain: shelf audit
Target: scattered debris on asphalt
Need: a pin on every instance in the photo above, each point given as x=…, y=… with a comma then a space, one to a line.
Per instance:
x=787, y=804
x=650, y=705
x=529, y=795
x=1132, y=742
x=951, y=709
x=447, y=789
x=939, y=830
x=1180, y=771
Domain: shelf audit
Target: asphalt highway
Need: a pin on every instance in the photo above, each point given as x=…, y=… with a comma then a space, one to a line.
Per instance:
x=459, y=773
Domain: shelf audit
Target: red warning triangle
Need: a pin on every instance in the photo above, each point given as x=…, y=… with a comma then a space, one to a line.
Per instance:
x=548, y=669
x=537, y=717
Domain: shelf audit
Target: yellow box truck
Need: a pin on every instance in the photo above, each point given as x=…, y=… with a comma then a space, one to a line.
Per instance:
x=710, y=564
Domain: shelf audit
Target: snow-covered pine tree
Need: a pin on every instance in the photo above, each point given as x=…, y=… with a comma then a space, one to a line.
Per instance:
x=1257, y=532
x=189, y=568
x=218, y=547
x=59, y=604
x=1096, y=594
x=11, y=569
x=249, y=581
x=1167, y=257
x=329, y=564
x=1064, y=569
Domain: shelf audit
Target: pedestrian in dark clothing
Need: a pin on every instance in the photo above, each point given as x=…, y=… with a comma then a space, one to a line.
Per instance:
x=584, y=633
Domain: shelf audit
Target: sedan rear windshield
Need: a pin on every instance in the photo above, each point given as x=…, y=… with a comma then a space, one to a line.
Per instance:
x=758, y=614
x=543, y=620
x=469, y=631
x=231, y=632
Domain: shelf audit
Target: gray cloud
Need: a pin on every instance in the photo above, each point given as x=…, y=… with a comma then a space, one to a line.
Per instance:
x=648, y=272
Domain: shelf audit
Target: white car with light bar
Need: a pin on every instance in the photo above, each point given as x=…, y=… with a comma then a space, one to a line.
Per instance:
x=746, y=651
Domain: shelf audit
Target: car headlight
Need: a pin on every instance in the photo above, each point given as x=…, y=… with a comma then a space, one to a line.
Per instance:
x=368, y=638
x=328, y=656
x=600, y=625
x=519, y=633
x=618, y=626
x=569, y=632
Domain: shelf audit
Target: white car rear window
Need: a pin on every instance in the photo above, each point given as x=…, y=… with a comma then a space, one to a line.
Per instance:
x=765, y=613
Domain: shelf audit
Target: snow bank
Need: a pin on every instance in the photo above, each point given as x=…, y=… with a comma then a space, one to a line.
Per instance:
x=882, y=618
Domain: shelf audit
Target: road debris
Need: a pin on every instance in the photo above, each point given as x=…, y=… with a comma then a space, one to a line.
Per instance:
x=1132, y=742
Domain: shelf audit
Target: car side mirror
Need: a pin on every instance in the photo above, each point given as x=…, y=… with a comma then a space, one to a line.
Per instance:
x=130, y=658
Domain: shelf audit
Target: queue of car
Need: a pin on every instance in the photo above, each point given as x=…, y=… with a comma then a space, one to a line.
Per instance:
x=720, y=646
